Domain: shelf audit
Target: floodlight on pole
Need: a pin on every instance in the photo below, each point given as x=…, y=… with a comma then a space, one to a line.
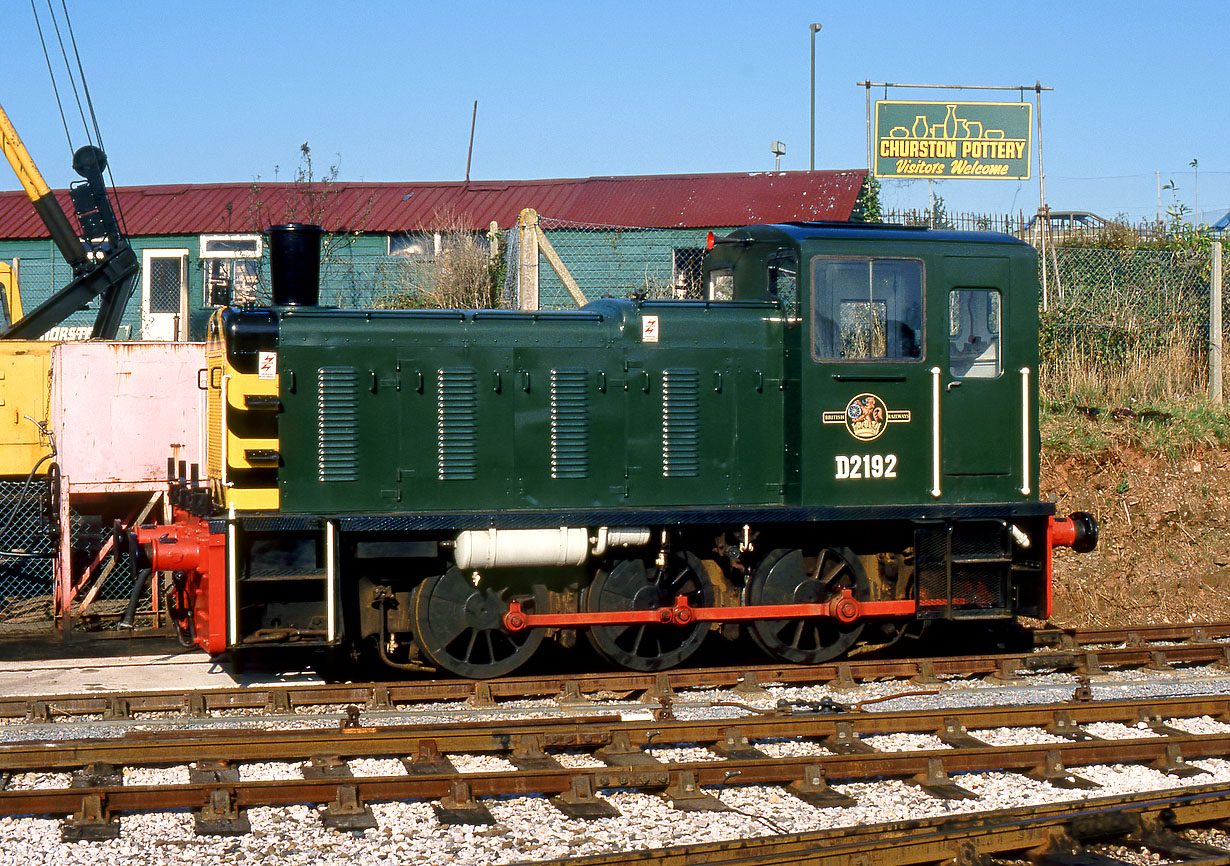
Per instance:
x=778, y=150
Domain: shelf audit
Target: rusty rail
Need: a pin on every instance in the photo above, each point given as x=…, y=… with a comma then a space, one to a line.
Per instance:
x=1150, y=820
x=161, y=747
x=1069, y=655
x=217, y=788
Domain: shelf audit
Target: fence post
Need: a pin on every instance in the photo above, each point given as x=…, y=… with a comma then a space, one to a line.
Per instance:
x=1215, y=394
x=527, y=270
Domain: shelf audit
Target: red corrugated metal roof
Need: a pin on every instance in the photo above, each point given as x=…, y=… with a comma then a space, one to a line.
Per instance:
x=652, y=201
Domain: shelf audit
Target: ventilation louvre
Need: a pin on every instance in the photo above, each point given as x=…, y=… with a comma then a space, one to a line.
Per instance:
x=569, y=423
x=337, y=424
x=680, y=423
x=457, y=424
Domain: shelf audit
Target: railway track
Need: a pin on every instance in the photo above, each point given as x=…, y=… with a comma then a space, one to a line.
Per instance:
x=616, y=754
x=1062, y=833
x=1084, y=652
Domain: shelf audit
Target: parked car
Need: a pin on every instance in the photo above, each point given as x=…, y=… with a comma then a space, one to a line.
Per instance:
x=1063, y=223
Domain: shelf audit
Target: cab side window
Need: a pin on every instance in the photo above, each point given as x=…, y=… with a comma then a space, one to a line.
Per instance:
x=867, y=309
x=782, y=281
x=720, y=285
x=974, y=350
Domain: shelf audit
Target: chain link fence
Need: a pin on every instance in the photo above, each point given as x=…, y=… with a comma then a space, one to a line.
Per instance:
x=1126, y=326
x=29, y=545
x=101, y=602
x=1117, y=325
x=28, y=540
x=621, y=261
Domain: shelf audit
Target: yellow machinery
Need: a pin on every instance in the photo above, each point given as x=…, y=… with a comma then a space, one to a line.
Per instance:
x=107, y=268
x=9, y=291
x=25, y=395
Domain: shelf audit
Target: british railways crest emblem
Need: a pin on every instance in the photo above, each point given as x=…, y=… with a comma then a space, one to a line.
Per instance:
x=866, y=417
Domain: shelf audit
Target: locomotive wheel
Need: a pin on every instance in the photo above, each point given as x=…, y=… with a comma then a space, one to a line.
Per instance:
x=783, y=578
x=632, y=585
x=459, y=626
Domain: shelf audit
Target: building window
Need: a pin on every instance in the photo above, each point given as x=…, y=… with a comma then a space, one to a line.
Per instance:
x=428, y=246
x=232, y=268
x=415, y=245
x=686, y=265
x=231, y=246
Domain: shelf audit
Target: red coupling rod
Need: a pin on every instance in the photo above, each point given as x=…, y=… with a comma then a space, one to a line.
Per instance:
x=844, y=608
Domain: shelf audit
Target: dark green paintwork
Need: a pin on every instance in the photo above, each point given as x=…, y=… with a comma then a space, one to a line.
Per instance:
x=433, y=411
x=455, y=411
x=980, y=420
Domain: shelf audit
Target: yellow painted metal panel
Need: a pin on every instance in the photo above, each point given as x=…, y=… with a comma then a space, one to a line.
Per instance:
x=244, y=384
x=25, y=393
x=253, y=499
x=235, y=446
x=11, y=290
x=225, y=404
x=214, y=413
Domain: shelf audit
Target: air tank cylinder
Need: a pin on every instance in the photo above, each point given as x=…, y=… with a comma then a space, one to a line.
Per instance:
x=512, y=548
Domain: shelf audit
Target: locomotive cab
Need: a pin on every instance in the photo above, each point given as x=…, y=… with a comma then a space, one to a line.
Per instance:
x=916, y=357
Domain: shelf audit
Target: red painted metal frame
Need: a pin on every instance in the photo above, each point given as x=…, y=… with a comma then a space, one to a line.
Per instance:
x=187, y=546
x=844, y=608
x=1061, y=532
x=1051, y=544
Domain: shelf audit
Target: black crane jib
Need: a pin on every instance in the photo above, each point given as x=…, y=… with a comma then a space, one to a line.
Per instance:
x=104, y=265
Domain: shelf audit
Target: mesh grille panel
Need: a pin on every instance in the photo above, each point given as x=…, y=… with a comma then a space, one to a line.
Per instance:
x=165, y=282
x=978, y=556
x=980, y=539
x=975, y=586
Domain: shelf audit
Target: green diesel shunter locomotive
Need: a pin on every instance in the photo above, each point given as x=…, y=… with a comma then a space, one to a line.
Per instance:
x=839, y=443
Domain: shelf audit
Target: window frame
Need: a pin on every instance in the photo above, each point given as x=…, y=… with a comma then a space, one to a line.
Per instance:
x=772, y=279
x=816, y=265
x=997, y=335
x=206, y=253
x=432, y=239
x=726, y=272
x=227, y=261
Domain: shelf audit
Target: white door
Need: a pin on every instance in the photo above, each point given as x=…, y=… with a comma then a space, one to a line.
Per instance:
x=164, y=295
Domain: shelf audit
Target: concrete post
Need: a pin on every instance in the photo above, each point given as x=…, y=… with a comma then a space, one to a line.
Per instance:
x=527, y=271
x=1215, y=395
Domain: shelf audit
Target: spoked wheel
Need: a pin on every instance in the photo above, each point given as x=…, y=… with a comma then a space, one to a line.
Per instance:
x=784, y=578
x=459, y=626
x=633, y=585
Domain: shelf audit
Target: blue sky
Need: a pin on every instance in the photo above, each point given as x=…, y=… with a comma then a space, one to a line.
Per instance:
x=196, y=91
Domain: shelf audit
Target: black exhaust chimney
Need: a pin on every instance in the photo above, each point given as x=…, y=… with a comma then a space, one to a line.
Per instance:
x=294, y=264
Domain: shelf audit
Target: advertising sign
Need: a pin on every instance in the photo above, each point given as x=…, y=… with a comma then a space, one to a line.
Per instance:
x=947, y=140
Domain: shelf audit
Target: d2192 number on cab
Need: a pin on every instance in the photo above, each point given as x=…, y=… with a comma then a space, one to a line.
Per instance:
x=851, y=466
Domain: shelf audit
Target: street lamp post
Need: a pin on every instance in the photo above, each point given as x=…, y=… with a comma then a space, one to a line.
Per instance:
x=815, y=28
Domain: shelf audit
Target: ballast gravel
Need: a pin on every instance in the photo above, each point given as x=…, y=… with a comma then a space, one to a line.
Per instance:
x=530, y=828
